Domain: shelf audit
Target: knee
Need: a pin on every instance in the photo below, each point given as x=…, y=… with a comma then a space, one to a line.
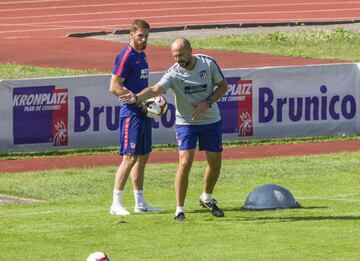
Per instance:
x=184, y=165
x=130, y=160
x=215, y=166
x=144, y=158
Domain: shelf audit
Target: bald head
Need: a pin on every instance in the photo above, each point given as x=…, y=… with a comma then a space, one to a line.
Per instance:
x=181, y=44
x=182, y=53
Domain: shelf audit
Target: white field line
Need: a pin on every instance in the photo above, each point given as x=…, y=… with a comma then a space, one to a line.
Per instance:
x=27, y=214
x=169, y=2
x=165, y=9
x=178, y=16
x=71, y=211
x=17, y=200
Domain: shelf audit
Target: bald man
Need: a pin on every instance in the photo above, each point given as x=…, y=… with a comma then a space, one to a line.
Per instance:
x=197, y=83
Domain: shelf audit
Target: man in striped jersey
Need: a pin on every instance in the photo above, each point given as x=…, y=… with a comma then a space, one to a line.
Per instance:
x=131, y=74
x=197, y=83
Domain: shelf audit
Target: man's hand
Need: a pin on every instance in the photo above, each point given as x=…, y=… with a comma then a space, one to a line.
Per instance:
x=129, y=98
x=200, y=109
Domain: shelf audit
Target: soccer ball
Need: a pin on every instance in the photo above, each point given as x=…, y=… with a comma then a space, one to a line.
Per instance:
x=98, y=256
x=156, y=106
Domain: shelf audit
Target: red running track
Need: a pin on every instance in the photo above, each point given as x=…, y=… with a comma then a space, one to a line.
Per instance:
x=265, y=151
x=56, y=18
x=33, y=31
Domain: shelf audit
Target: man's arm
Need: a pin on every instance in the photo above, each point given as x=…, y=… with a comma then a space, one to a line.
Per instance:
x=222, y=88
x=201, y=108
x=145, y=94
x=116, y=86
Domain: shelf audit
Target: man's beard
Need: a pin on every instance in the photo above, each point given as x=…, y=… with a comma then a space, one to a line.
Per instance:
x=184, y=64
x=140, y=46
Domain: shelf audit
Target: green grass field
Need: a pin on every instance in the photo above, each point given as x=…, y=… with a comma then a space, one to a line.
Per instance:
x=74, y=220
x=338, y=44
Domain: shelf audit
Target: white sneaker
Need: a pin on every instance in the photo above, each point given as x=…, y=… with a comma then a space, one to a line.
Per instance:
x=146, y=208
x=117, y=210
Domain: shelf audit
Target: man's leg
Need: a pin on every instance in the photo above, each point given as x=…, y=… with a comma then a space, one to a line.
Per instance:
x=210, y=140
x=137, y=178
x=124, y=170
x=137, y=172
x=186, y=158
x=211, y=176
x=212, y=171
x=121, y=177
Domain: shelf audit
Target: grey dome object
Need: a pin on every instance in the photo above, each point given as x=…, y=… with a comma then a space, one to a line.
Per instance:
x=270, y=196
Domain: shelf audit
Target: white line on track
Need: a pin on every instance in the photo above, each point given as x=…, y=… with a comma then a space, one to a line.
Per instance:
x=265, y=20
x=177, y=16
x=166, y=9
x=18, y=37
x=30, y=2
x=152, y=3
x=117, y=26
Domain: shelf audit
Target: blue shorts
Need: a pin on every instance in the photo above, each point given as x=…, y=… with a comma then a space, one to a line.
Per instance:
x=135, y=135
x=209, y=135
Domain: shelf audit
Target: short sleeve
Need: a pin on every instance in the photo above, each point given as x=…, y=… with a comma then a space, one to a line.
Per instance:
x=122, y=64
x=166, y=81
x=217, y=75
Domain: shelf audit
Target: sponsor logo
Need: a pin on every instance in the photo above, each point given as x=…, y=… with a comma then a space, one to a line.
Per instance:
x=94, y=118
x=237, y=104
x=309, y=108
x=144, y=74
x=40, y=115
x=195, y=89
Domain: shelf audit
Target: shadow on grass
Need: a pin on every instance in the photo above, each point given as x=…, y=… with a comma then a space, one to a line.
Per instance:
x=203, y=210
x=294, y=219
x=271, y=219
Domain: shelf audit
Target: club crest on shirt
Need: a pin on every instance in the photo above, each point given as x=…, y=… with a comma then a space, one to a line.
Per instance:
x=203, y=75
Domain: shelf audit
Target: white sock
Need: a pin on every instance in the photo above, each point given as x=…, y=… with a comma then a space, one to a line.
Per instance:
x=139, y=198
x=179, y=209
x=117, y=198
x=206, y=197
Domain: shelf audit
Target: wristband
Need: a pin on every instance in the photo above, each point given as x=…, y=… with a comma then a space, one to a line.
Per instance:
x=209, y=102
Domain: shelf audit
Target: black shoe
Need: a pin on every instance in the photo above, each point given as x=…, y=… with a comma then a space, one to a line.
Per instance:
x=180, y=217
x=215, y=210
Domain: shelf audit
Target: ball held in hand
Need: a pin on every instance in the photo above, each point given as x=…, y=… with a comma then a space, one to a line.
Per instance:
x=156, y=106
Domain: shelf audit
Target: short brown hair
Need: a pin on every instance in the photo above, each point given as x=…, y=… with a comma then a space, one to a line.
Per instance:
x=139, y=24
